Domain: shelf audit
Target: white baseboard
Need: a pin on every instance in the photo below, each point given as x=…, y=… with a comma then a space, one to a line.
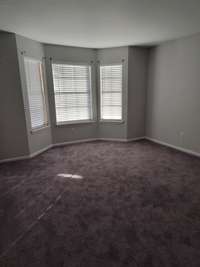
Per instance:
x=26, y=156
x=121, y=139
x=74, y=142
x=97, y=139
x=112, y=139
x=14, y=159
x=40, y=151
x=136, y=139
x=185, y=150
x=70, y=143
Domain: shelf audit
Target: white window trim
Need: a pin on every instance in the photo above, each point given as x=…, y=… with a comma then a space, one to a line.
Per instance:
x=38, y=129
x=44, y=96
x=74, y=63
x=65, y=123
x=113, y=121
x=105, y=121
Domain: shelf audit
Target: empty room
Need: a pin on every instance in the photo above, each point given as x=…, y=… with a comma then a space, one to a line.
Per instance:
x=100, y=133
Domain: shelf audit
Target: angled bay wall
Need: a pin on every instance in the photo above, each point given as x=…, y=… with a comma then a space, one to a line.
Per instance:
x=40, y=139
x=16, y=138
x=13, y=135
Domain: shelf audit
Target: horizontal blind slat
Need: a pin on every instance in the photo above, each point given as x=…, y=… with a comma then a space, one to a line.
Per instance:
x=72, y=92
x=35, y=93
x=111, y=92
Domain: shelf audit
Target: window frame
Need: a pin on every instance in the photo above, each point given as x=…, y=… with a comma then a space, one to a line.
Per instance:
x=43, y=93
x=113, y=121
x=93, y=113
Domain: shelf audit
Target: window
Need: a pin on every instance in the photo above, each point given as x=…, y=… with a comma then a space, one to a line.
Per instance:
x=111, y=92
x=73, y=93
x=35, y=91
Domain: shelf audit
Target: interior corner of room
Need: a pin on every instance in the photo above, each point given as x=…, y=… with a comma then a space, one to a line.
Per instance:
x=159, y=95
x=19, y=140
x=99, y=133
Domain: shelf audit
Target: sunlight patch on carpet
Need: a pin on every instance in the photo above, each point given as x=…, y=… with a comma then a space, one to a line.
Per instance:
x=71, y=176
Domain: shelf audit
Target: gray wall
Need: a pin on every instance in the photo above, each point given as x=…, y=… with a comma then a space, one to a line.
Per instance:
x=15, y=47
x=137, y=84
x=173, y=105
x=114, y=56
x=41, y=138
x=134, y=74
x=13, y=138
x=73, y=132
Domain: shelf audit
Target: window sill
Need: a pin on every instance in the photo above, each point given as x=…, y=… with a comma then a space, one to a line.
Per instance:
x=68, y=123
x=35, y=130
x=111, y=121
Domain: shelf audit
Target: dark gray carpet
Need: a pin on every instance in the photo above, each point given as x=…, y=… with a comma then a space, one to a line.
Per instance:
x=138, y=204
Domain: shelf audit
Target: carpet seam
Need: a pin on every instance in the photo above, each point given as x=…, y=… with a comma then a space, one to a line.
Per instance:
x=38, y=197
x=31, y=226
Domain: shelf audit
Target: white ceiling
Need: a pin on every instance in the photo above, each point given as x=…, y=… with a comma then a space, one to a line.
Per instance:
x=100, y=23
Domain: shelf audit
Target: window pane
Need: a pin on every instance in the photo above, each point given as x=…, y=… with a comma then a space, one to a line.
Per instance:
x=111, y=113
x=35, y=90
x=111, y=92
x=111, y=99
x=72, y=90
x=71, y=113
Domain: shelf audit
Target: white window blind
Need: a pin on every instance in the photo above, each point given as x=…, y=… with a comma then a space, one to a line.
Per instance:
x=111, y=92
x=35, y=91
x=72, y=90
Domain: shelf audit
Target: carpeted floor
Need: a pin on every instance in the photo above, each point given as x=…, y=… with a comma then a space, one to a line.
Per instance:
x=121, y=204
